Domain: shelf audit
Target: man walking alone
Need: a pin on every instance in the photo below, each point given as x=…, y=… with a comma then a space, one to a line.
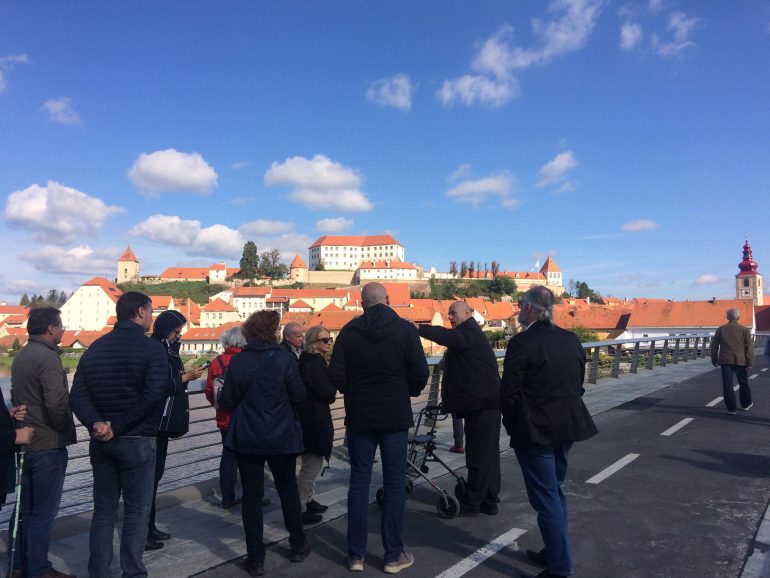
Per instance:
x=733, y=349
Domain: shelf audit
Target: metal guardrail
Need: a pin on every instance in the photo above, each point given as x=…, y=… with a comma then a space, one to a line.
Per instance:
x=195, y=456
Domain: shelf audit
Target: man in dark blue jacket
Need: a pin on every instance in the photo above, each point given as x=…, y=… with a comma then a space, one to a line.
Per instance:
x=118, y=390
x=378, y=363
x=471, y=390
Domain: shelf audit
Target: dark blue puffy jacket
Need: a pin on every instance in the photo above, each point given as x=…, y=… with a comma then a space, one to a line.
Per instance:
x=262, y=386
x=122, y=378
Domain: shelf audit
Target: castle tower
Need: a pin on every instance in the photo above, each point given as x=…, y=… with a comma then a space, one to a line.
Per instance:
x=553, y=278
x=128, y=267
x=748, y=282
x=298, y=271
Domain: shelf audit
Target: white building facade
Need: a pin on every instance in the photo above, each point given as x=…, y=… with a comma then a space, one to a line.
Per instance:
x=347, y=252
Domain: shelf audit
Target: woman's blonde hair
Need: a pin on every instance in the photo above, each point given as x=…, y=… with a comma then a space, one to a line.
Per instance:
x=311, y=336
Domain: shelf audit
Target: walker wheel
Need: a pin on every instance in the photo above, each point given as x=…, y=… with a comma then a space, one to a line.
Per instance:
x=409, y=486
x=448, y=506
x=380, y=496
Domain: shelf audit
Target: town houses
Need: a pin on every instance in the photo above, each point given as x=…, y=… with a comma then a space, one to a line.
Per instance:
x=332, y=297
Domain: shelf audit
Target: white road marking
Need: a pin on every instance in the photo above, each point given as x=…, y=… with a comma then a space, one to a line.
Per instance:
x=713, y=402
x=676, y=427
x=763, y=369
x=753, y=376
x=607, y=472
x=479, y=556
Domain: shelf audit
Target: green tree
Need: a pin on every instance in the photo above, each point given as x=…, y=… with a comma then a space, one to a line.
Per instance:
x=270, y=265
x=584, y=334
x=320, y=266
x=463, y=268
x=24, y=301
x=453, y=268
x=581, y=290
x=249, y=261
x=16, y=345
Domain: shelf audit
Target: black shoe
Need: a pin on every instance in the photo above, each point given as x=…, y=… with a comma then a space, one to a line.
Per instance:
x=152, y=545
x=158, y=535
x=301, y=554
x=537, y=556
x=316, y=508
x=228, y=505
x=254, y=567
x=311, y=518
x=467, y=513
x=489, y=509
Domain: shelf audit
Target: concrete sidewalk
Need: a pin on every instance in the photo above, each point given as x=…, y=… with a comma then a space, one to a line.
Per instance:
x=205, y=536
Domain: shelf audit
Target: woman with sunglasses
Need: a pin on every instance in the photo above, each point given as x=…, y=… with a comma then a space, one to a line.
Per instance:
x=316, y=418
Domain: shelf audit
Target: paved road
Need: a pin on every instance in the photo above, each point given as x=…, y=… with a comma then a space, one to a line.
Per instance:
x=687, y=502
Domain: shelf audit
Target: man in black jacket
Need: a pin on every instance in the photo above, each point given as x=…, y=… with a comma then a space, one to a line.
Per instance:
x=543, y=412
x=377, y=364
x=471, y=390
x=118, y=390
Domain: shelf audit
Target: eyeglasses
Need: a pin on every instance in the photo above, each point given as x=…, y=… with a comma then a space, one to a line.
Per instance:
x=326, y=340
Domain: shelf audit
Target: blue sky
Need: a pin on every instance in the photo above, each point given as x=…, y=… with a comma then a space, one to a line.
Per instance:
x=629, y=140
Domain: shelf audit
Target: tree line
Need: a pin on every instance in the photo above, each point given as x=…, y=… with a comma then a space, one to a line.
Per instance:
x=54, y=298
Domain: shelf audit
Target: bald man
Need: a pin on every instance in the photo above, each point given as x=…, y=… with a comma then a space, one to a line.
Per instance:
x=378, y=363
x=471, y=390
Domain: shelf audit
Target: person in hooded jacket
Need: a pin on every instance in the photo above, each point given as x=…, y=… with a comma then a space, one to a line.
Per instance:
x=378, y=363
x=262, y=388
x=175, y=421
x=316, y=418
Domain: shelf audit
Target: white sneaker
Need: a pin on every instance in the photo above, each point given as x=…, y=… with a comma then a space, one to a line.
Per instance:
x=404, y=561
x=355, y=565
x=748, y=407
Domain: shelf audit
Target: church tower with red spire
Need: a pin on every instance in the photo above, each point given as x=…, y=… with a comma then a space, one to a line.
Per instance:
x=748, y=281
x=128, y=267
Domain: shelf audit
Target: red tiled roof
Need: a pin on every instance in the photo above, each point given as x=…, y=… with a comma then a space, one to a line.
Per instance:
x=251, y=291
x=299, y=304
x=385, y=265
x=209, y=333
x=217, y=305
x=109, y=288
x=159, y=301
x=500, y=310
x=590, y=316
x=218, y=267
x=762, y=316
x=398, y=294
x=521, y=275
x=330, y=308
x=15, y=320
x=128, y=255
x=549, y=267
x=297, y=263
x=86, y=338
x=356, y=241
x=277, y=300
x=690, y=313
x=185, y=273
x=13, y=310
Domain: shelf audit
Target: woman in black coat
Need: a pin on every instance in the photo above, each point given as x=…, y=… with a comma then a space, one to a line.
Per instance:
x=316, y=418
x=263, y=387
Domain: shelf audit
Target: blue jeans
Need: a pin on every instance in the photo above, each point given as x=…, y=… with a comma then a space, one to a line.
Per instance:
x=544, y=470
x=41, y=486
x=362, y=444
x=123, y=465
x=744, y=391
x=228, y=470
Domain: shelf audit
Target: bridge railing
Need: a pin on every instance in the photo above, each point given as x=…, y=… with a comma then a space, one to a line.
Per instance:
x=195, y=456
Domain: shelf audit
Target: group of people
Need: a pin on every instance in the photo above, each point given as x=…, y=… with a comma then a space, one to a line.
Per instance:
x=273, y=403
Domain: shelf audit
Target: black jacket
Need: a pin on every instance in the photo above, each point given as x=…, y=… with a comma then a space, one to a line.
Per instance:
x=122, y=378
x=314, y=413
x=542, y=388
x=471, y=377
x=7, y=454
x=262, y=387
x=377, y=363
x=175, y=419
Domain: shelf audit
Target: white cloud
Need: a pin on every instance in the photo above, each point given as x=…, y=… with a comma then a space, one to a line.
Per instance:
x=173, y=171
x=708, y=279
x=7, y=63
x=289, y=244
x=82, y=260
x=333, y=225
x=320, y=183
x=60, y=111
x=655, y=5
x=240, y=165
x=167, y=229
x=395, y=91
x=462, y=172
x=476, y=191
x=217, y=241
x=640, y=225
x=680, y=27
x=262, y=227
x=475, y=89
x=56, y=213
x=555, y=171
x=630, y=35
x=567, y=33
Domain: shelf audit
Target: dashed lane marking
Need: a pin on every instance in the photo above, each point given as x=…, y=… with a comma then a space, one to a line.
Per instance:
x=607, y=472
x=713, y=402
x=753, y=376
x=479, y=556
x=676, y=427
x=763, y=369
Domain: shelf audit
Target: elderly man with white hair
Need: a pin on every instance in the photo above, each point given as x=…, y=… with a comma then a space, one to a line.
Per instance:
x=733, y=349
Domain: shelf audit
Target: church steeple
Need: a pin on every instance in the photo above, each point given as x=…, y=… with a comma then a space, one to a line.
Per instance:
x=748, y=281
x=128, y=267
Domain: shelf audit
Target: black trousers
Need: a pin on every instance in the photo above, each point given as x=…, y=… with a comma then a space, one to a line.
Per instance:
x=482, y=458
x=160, y=467
x=283, y=467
